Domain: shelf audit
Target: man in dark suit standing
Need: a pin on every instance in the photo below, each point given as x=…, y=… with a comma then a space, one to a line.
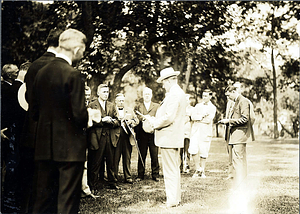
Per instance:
x=9, y=143
x=146, y=140
x=101, y=139
x=59, y=107
x=49, y=55
x=29, y=129
x=238, y=131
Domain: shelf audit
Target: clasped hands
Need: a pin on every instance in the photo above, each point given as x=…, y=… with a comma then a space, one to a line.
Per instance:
x=150, y=119
x=223, y=121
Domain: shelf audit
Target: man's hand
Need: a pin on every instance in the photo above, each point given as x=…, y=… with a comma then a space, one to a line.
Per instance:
x=150, y=119
x=3, y=136
x=107, y=119
x=223, y=121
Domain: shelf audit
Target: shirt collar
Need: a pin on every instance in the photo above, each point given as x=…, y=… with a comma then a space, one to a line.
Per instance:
x=60, y=55
x=51, y=50
x=7, y=82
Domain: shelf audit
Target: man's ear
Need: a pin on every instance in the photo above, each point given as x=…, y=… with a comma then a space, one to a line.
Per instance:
x=76, y=50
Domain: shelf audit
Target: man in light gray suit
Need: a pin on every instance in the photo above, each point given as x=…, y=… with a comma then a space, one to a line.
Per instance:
x=169, y=133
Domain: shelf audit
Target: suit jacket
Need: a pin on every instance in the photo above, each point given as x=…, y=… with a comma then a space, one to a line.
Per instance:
x=32, y=72
x=170, y=119
x=95, y=132
x=30, y=125
x=59, y=107
x=142, y=109
x=7, y=114
x=239, y=128
x=131, y=116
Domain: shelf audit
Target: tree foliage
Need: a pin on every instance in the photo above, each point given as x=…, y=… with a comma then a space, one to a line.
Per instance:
x=203, y=40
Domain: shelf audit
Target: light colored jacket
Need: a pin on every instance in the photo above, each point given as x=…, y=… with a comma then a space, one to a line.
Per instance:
x=170, y=119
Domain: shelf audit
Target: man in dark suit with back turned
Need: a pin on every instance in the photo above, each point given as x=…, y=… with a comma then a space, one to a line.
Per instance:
x=238, y=131
x=49, y=55
x=29, y=129
x=59, y=107
x=146, y=140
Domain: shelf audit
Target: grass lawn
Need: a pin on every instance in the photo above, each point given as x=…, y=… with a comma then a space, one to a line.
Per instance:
x=272, y=185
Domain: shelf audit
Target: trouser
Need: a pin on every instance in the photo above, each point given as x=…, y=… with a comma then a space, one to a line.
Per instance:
x=84, y=184
x=58, y=187
x=28, y=179
x=147, y=141
x=123, y=148
x=230, y=167
x=184, y=154
x=171, y=170
x=96, y=158
x=239, y=162
x=10, y=157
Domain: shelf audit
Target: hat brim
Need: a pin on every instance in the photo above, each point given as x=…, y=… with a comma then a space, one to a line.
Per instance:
x=21, y=97
x=160, y=79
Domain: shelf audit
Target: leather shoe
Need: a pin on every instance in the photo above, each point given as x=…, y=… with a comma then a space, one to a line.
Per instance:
x=113, y=186
x=155, y=179
x=166, y=206
x=138, y=179
x=129, y=181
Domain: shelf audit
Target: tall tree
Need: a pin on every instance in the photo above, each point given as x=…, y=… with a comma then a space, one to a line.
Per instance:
x=273, y=26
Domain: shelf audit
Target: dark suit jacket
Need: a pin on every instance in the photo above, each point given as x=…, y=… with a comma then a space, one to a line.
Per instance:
x=30, y=125
x=239, y=128
x=59, y=107
x=96, y=130
x=142, y=109
x=6, y=105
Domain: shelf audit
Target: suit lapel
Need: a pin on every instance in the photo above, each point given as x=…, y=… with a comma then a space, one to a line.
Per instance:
x=150, y=107
x=234, y=106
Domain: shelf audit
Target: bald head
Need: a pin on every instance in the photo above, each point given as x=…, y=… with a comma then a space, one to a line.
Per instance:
x=10, y=72
x=71, y=38
x=72, y=44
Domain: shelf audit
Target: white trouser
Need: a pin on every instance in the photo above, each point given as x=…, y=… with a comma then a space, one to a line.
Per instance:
x=171, y=171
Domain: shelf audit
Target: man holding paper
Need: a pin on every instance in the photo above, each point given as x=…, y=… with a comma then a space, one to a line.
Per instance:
x=101, y=138
x=169, y=133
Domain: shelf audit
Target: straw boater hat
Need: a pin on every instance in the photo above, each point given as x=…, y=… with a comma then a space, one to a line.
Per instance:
x=166, y=73
x=21, y=97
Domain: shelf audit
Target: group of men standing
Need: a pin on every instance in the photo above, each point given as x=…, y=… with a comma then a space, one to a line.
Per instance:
x=62, y=131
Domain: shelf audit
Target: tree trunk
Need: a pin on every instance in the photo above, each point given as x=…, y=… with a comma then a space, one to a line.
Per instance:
x=187, y=74
x=87, y=20
x=118, y=78
x=276, y=134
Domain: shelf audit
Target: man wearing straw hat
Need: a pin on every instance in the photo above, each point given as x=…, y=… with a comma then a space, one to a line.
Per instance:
x=169, y=133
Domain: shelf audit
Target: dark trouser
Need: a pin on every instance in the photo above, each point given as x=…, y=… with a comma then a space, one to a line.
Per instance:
x=184, y=154
x=10, y=157
x=147, y=141
x=58, y=187
x=123, y=148
x=239, y=162
x=28, y=180
x=96, y=158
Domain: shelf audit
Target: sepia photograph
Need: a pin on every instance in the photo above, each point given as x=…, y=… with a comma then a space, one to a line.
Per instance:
x=150, y=107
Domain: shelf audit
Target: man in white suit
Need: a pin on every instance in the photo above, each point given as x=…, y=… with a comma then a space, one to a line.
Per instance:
x=169, y=133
